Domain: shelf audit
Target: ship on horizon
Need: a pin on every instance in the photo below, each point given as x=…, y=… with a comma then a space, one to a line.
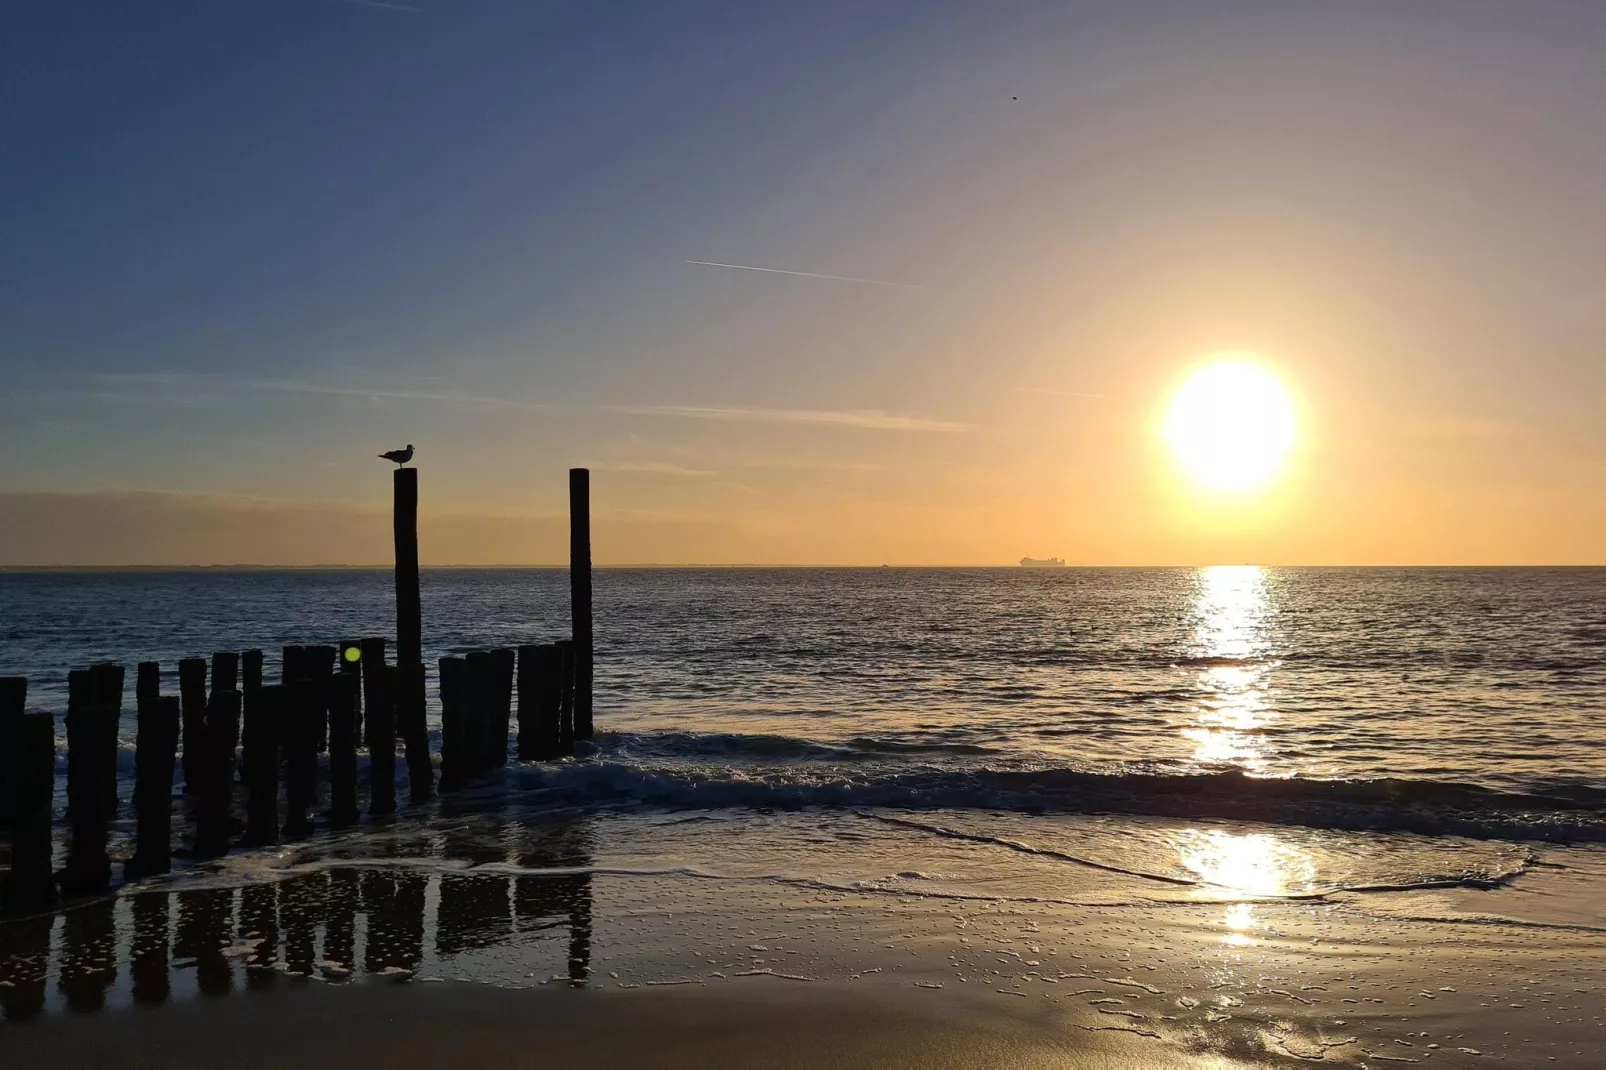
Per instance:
x=1042, y=562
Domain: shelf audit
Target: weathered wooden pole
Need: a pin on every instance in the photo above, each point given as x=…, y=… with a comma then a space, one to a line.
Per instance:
x=410, y=723
x=13, y=702
x=250, y=684
x=350, y=660
x=538, y=707
x=301, y=755
x=264, y=714
x=155, y=746
x=88, y=866
x=217, y=782
x=107, y=683
x=250, y=670
x=30, y=885
x=479, y=704
x=344, y=696
x=580, y=595
x=381, y=732
x=321, y=665
x=225, y=671
x=566, y=691
x=373, y=681
x=503, y=662
x=192, y=703
x=147, y=683
x=454, y=715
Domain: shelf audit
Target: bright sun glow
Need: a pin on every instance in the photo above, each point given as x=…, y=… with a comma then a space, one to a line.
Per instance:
x=1231, y=425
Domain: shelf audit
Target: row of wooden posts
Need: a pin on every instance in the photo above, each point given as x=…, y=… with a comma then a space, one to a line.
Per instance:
x=259, y=734
x=268, y=732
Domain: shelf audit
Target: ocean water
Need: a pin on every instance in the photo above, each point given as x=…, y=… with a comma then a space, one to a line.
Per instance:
x=1394, y=738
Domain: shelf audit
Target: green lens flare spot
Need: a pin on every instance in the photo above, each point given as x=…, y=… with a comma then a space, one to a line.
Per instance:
x=354, y=653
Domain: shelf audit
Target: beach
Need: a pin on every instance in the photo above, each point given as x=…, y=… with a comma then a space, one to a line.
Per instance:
x=500, y=966
x=1183, y=818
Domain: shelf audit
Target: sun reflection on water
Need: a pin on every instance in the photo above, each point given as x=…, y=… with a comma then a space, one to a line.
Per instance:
x=1255, y=864
x=1231, y=641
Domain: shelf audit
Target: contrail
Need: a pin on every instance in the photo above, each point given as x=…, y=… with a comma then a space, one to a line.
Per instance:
x=383, y=4
x=808, y=274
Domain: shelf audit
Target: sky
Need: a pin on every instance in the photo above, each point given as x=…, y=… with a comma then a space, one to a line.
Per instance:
x=249, y=244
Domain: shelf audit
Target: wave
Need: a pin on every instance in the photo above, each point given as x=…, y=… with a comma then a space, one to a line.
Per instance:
x=671, y=771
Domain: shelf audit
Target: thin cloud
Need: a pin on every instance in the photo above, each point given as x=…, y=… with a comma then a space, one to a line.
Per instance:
x=654, y=467
x=1058, y=393
x=383, y=5
x=867, y=418
x=874, y=419
x=808, y=274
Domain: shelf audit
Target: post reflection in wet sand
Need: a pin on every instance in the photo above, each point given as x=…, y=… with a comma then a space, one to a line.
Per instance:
x=321, y=924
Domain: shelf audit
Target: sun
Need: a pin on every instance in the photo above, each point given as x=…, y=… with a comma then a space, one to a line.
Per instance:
x=1231, y=424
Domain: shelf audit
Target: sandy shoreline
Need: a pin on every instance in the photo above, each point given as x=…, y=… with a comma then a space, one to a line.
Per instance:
x=755, y=1022
x=699, y=972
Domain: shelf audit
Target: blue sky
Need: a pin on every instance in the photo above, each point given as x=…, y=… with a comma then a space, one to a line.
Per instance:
x=250, y=243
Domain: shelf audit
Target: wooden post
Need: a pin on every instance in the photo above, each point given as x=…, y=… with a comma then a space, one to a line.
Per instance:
x=373, y=682
x=192, y=702
x=481, y=698
x=301, y=755
x=29, y=886
x=566, y=691
x=217, y=783
x=147, y=684
x=321, y=665
x=107, y=683
x=350, y=660
x=88, y=866
x=250, y=684
x=409, y=699
x=13, y=701
x=381, y=732
x=454, y=715
x=502, y=668
x=344, y=695
x=155, y=749
x=580, y=595
x=264, y=713
x=225, y=671
x=532, y=732
x=250, y=670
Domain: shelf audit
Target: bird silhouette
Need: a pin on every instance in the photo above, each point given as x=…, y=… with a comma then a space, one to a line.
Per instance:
x=401, y=457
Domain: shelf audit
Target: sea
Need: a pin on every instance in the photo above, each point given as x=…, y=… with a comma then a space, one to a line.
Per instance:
x=1090, y=736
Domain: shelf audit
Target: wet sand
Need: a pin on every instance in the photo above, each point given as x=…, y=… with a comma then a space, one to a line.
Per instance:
x=409, y=966
x=462, y=1024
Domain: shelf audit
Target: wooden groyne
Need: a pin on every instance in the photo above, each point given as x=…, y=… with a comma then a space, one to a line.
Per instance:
x=253, y=755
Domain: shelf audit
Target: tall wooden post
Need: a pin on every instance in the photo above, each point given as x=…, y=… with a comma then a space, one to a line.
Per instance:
x=410, y=638
x=30, y=885
x=580, y=595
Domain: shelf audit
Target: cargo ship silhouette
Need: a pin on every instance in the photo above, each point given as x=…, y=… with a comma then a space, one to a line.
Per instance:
x=1042, y=562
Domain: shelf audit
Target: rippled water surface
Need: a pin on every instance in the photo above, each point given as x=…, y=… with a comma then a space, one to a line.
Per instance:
x=1491, y=677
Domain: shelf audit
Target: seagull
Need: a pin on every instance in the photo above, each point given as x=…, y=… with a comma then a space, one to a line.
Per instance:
x=401, y=457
